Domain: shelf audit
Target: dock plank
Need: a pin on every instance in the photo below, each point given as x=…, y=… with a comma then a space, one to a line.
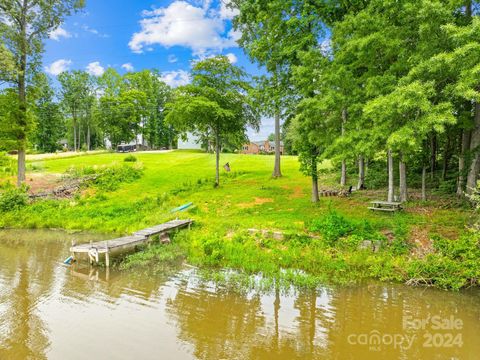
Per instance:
x=127, y=242
x=102, y=245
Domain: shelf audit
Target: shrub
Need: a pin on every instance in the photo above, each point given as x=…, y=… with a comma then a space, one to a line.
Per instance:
x=13, y=199
x=110, y=178
x=130, y=158
x=332, y=227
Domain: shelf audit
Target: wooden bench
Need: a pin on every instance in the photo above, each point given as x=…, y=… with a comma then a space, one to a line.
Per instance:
x=385, y=206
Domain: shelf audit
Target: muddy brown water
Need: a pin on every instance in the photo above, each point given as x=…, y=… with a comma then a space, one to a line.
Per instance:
x=48, y=311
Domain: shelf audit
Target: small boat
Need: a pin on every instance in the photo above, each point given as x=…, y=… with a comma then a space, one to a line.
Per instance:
x=183, y=207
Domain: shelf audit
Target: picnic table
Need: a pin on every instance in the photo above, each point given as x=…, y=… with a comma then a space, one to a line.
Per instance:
x=379, y=205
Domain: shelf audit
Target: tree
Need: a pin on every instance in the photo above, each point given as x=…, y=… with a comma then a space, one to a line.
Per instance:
x=76, y=95
x=153, y=128
x=273, y=33
x=128, y=105
x=215, y=103
x=26, y=23
x=303, y=135
x=408, y=115
x=50, y=126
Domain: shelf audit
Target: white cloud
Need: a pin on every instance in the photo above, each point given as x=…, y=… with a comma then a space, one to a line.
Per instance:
x=94, y=31
x=128, y=67
x=59, y=66
x=183, y=24
x=232, y=58
x=226, y=12
x=59, y=33
x=95, y=69
x=172, y=59
x=175, y=78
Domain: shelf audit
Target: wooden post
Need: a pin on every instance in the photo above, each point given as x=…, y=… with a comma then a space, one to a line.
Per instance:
x=107, y=257
x=72, y=252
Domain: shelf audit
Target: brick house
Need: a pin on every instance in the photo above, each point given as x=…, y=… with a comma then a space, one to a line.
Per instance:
x=261, y=147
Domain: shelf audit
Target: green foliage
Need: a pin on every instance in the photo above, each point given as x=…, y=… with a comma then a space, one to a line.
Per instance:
x=23, y=29
x=7, y=165
x=50, y=124
x=130, y=158
x=12, y=199
x=107, y=178
x=155, y=255
x=332, y=226
x=77, y=96
x=111, y=178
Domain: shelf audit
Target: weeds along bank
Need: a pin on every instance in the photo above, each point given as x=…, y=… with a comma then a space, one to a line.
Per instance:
x=289, y=238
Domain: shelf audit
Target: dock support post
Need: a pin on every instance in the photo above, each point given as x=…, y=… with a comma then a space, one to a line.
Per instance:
x=72, y=252
x=107, y=257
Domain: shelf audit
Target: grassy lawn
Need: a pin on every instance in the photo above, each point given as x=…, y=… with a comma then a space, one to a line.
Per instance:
x=247, y=198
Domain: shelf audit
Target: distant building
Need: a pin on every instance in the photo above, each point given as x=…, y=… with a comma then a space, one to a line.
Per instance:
x=261, y=147
x=138, y=144
x=192, y=142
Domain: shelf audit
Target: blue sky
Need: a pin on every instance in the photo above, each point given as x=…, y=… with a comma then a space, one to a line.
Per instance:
x=144, y=34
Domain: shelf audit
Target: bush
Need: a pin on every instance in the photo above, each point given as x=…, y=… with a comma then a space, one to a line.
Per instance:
x=130, y=158
x=332, y=227
x=13, y=199
x=107, y=178
x=111, y=178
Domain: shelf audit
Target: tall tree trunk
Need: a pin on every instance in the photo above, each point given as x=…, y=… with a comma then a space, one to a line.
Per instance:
x=21, y=166
x=424, y=185
x=465, y=146
x=217, y=159
x=74, y=120
x=88, y=137
x=403, y=179
x=361, y=173
x=276, y=170
x=446, y=158
x=79, y=137
x=391, y=188
x=343, y=177
x=22, y=101
x=433, y=155
x=475, y=150
x=74, y=137
x=314, y=180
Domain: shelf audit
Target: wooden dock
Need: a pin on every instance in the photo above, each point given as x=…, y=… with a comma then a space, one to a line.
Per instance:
x=108, y=248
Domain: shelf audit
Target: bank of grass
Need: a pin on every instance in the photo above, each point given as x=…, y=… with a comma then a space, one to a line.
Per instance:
x=320, y=241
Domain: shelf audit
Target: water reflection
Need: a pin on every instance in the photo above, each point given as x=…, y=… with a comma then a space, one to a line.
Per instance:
x=48, y=311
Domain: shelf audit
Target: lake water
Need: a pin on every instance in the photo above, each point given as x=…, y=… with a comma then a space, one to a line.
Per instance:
x=49, y=311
